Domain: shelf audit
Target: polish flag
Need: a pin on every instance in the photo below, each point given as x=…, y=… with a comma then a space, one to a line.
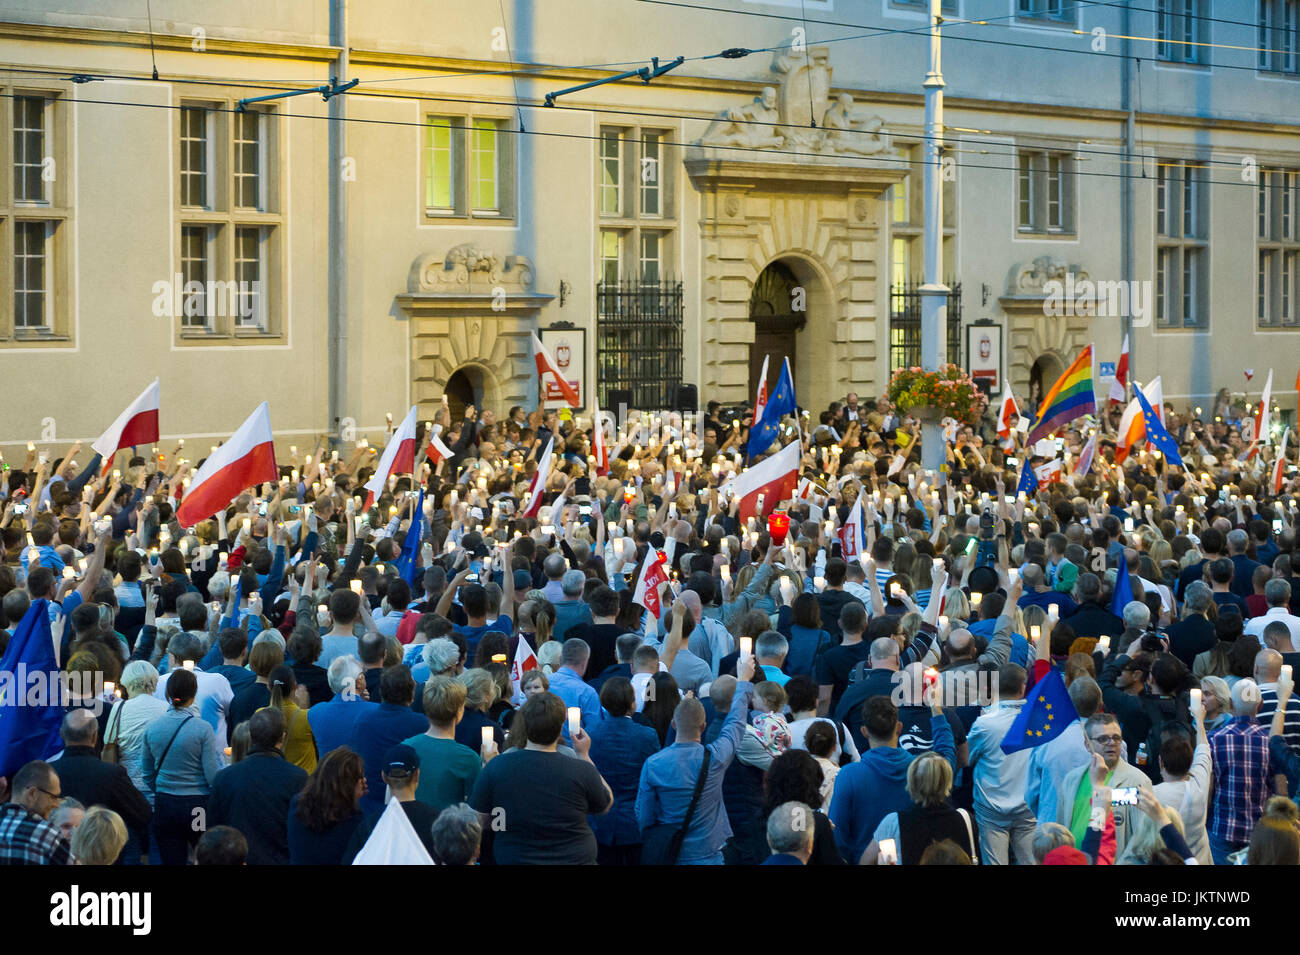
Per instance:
x=138, y=424
x=1049, y=473
x=851, y=533
x=1083, y=464
x=437, y=449
x=1261, y=415
x=546, y=365
x=525, y=660
x=398, y=457
x=1279, y=466
x=1004, y=414
x=774, y=479
x=760, y=399
x=648, y=582
x=248, y=458
x=598, y=449
x=1117, y=385
x=1132, y=429
x=537, y=486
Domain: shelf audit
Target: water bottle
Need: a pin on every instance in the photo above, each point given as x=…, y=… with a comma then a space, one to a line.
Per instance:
x=1142, y=754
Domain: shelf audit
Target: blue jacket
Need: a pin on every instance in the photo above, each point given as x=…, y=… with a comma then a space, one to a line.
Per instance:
x=804, y=644
x=867, y=791
x=374, y=732
x=619, y=748
x=332, y=722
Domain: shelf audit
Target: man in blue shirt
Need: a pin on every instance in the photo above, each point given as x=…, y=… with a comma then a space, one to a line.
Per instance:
x=568, y=684
x=377, y=730
x=572, y=610
x=668, y=777
x=333, y=721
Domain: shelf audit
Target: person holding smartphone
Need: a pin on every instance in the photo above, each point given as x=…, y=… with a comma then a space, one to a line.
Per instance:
x=1074, y=808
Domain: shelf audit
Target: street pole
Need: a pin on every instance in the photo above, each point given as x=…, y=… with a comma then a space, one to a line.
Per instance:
x=934, y=294
x=337, y=336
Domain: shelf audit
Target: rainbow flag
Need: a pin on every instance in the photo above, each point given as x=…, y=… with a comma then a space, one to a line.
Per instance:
x=1071, y=397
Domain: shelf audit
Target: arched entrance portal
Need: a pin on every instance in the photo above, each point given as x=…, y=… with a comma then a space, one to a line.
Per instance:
x=778, y=309
x=465, y=387
x=1046, y=369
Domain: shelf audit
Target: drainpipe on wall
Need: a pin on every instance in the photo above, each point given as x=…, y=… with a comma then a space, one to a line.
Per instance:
x=1126, y=182
x=337, y=340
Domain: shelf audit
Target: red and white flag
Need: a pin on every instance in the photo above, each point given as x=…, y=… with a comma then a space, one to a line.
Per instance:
x=760, y=399
x=1049, y=473
x=248, y=458
x=1279, y=466
x=1118, y=389
x=851, y=533
x=138, y=424
x=652, y=577
x=537, y=486
x=524, y=661
x=398, y=457
x=437, y=449
x=1083, y=464
x=774, y=479
x=1260, y=435
x=546, y=365
x=598, y=449
x=1005, y=414
x=1132, y=432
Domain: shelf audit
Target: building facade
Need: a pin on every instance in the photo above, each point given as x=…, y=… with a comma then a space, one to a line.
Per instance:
x=1105, y=169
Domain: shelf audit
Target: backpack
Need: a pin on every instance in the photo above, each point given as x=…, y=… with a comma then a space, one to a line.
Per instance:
x=1164, y=712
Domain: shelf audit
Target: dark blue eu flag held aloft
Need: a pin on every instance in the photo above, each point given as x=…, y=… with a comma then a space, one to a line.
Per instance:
x=1046, y=714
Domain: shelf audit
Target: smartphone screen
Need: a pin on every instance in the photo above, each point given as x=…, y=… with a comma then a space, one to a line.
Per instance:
x=1126, y=796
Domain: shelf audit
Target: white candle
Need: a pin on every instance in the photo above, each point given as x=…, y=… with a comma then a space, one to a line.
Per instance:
x=356, y=586
x=68, y=573
x=746, y=648
x=1103, y=645
x=1035, y=631
x=943, y=623
x=110, y=688
x=575, y=721
x=1286, y=670
x=975, y=599
x=488, y=736
x=819, y=583
x=1053, y=612
x=188, y=664
x=1195, y=694
x=726, y=573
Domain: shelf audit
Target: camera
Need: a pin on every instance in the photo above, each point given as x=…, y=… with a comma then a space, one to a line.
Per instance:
x=986, y=525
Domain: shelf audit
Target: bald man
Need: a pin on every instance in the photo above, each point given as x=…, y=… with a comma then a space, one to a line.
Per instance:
x=1268, y=667
x=90, y=780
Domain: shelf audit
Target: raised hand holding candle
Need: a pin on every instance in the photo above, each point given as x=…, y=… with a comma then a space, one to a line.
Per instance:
x=575, y=721
x=746, y=648
x=1103, y=645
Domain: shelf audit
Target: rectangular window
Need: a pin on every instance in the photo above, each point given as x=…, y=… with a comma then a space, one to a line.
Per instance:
x=485, y=170
x=439, y=165
x=195, y=274
x=651, y=257
x=611, y=172
x=30, y=149
x=651, y=148
x=611, y=256
x=1044, y=192
x=194, y=157
x=248, y=160
x=1181, y=30
x=32, y=299
x=249, y=274
x=1263, y=288
x=1182, y=255
x=1279, y=21
x=1278, y=248
x=1061, y=11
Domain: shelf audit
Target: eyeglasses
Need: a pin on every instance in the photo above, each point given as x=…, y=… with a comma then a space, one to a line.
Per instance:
x=1108, y=739
x=55, y=796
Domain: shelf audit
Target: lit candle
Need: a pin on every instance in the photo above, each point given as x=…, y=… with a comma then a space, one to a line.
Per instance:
x=726, y=573
x=293, y=449
x=188, y=664
x=975, y=599
x=293, y=476
x=356, y=586
x=1195, y=698
x=819, y=583
x=488, y=736
x=498, y=658
x=1053, y=613
x=248, y=522
x=68, y=573
x=1103, y=645
x=746, y=648
x=1286, y=670
x=31, y=446
x=221, y=558
x=575, y=721
x=943, y=623
x=1035, y=631
x=117, y=474
x=1128, y=525
x=110, y=688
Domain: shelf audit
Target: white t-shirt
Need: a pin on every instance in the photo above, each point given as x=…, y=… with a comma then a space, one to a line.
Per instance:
x=126, y=728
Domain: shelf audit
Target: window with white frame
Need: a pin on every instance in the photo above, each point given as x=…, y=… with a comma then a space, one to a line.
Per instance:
x=923, y=6
x=1277, y=248
x=635, y=205
x=1059, y=11
x=1182, y=30
x=229, y=224
x=468, y=168
x=1279, y=36
x=1182, y=251
x=34, y=207
x=1045, y=192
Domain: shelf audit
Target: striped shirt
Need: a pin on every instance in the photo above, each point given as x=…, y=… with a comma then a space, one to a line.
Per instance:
x=1239, y=752
x=1291, y=725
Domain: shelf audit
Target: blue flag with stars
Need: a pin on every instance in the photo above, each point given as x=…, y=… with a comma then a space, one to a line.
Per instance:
x=1156, y=433
x=779, y=403
x=1047, y=713
x=1123, y=595
x=1028, y=485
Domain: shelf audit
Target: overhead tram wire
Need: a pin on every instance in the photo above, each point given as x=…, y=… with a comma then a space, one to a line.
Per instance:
x=595, y=138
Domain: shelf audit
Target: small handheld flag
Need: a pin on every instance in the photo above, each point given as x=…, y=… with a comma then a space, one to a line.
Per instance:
x=1123, y=588
x=1046, y=715
x=781, y=402
x=1156, y=433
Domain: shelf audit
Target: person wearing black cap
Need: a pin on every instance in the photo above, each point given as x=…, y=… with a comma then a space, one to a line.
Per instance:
x=401, y=774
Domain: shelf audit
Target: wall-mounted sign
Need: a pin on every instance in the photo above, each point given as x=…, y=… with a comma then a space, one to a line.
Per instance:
x=984, y=356
x=569, y=348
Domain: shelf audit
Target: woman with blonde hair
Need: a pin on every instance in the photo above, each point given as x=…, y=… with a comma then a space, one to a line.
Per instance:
x=100, y=837
x=299, y=742
x=929, y=819
x=480, y=694
x=549, y=655
x=1149, y=838
x=956, y=606
x=536, y=620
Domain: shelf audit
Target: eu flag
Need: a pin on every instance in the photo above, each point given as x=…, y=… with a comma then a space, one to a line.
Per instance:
x=779, y=403
x=406, y=561
x=1156, y=433
x=1028, y=485
x=31, y=694
x=1045, y=716
x=1123, y=587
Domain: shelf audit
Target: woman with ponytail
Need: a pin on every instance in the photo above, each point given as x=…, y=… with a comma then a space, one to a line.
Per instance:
x=299, y=743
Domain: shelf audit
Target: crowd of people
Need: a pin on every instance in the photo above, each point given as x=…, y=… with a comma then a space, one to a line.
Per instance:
x=265, y=686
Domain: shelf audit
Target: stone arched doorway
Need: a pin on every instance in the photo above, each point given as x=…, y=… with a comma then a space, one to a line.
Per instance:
x=466, y=386
x=1046, y=368
x=793, y=317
